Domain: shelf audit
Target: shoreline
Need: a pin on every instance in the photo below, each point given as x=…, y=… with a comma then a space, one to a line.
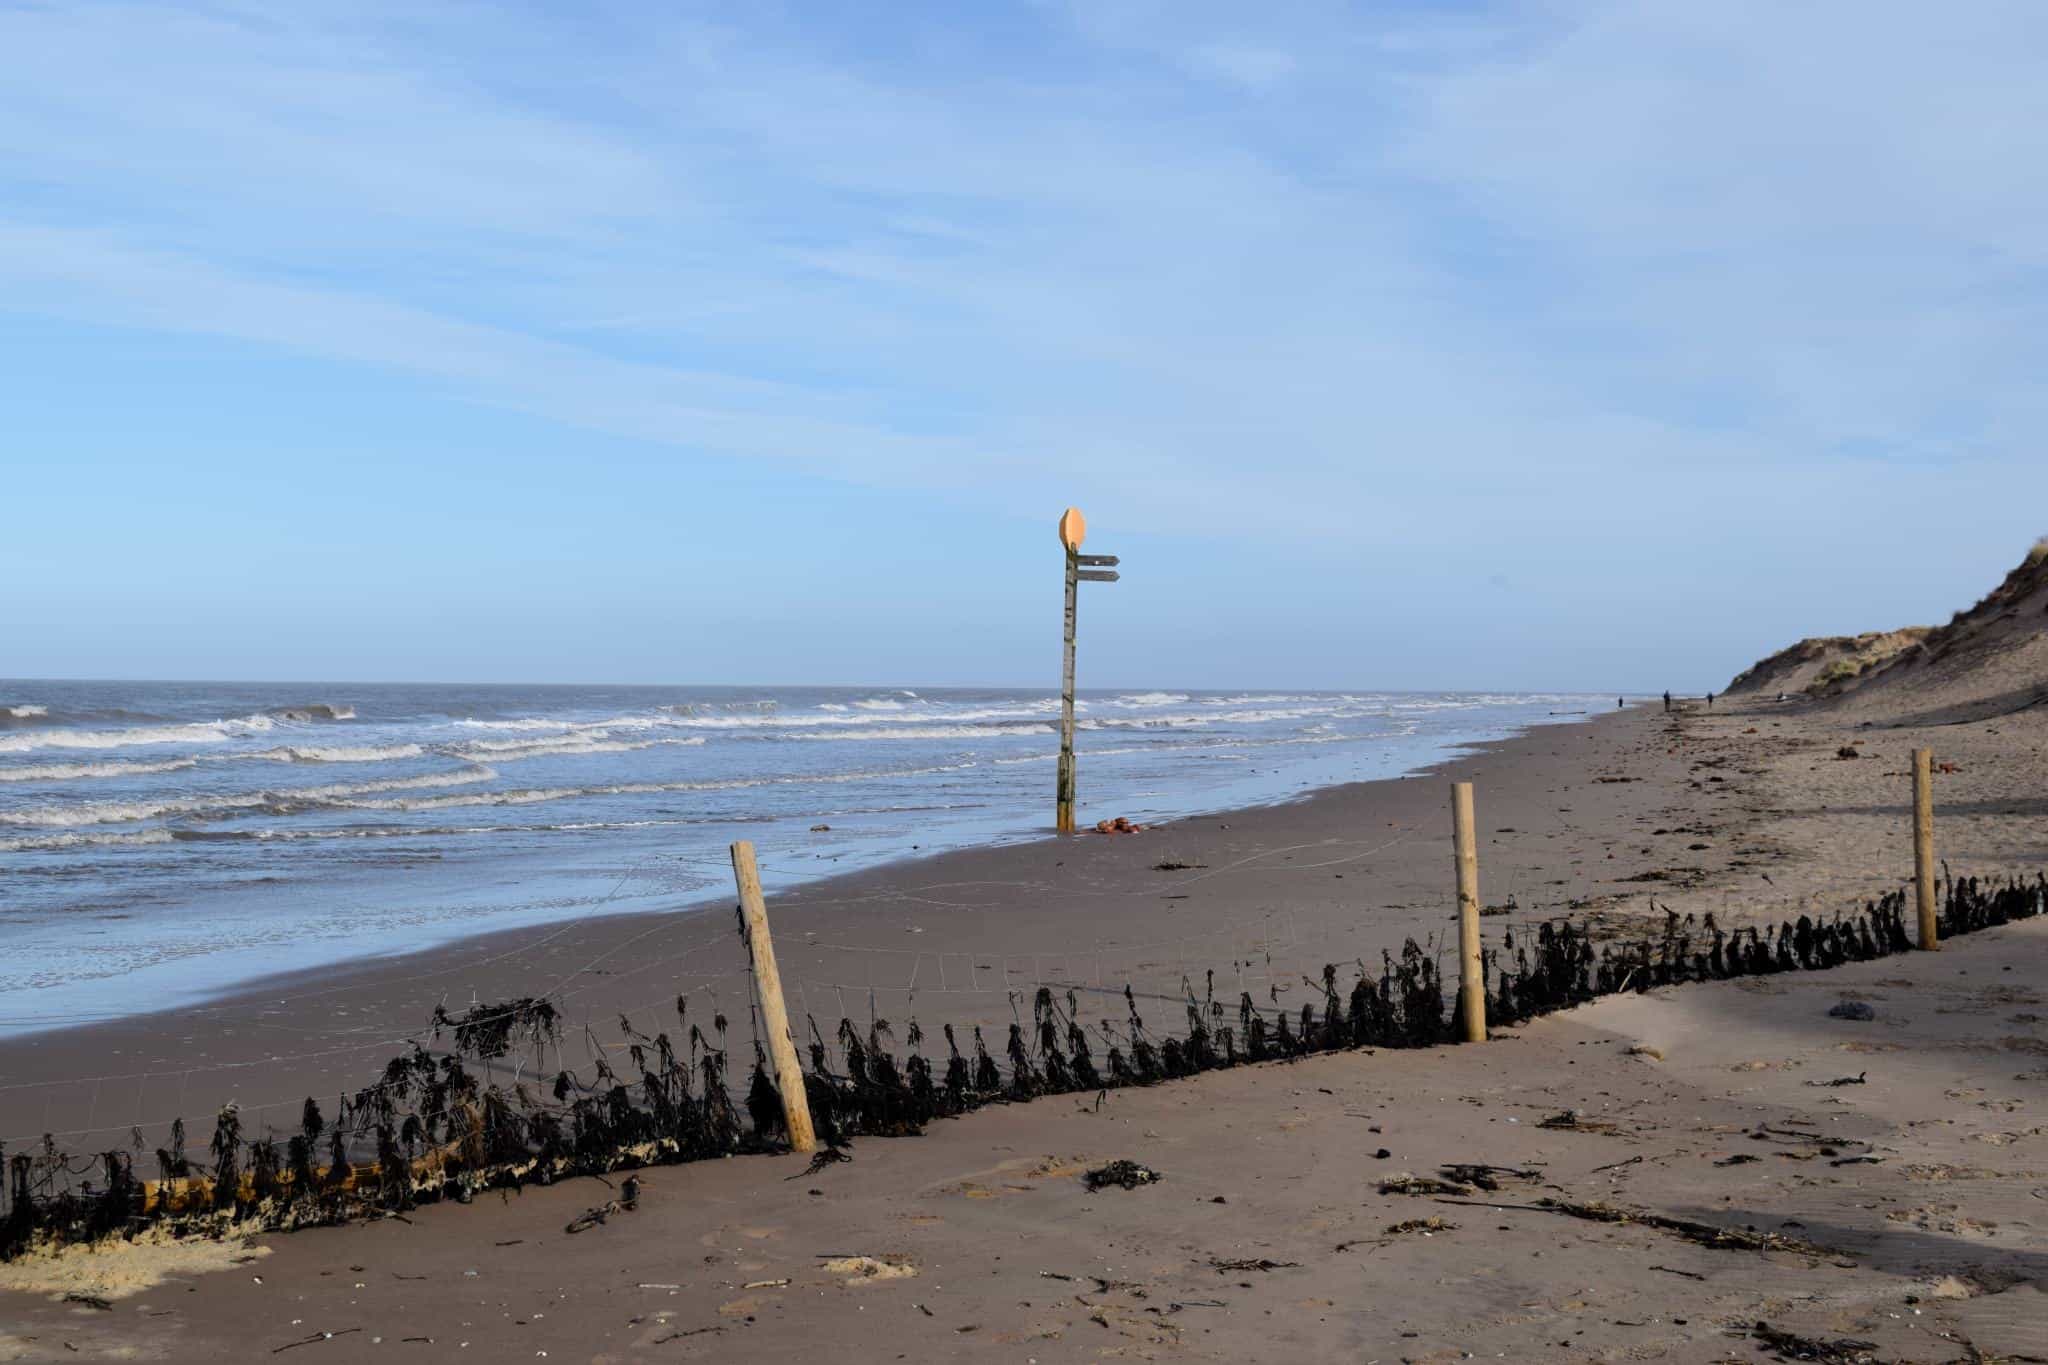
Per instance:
x=351, y=1016
x=216, y=912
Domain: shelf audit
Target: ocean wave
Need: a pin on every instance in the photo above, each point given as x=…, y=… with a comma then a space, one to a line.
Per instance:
x=339, y=753
x=25, y=711
x=279, y=801
x=196, y=732
x=312, y=711
x=297, y=753
x=528, y=796
x=932, y=732
x=41, y=842
x=67, y=772
x=1152, y=699
x=597, y=742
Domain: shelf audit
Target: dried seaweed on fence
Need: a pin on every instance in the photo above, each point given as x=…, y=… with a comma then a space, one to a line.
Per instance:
x=431, y=1128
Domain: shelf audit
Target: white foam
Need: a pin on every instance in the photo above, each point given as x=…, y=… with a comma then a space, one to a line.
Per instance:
x=208, y=732
x=66, y=772
x=596, y=742
x=342, y=753
x=1153, y=699
x=931, y=732
x=527, y=796
x=82, y=813
x=26, y=711
x=35, y=842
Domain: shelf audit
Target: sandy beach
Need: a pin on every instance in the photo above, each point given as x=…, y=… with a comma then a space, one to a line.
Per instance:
x=1917, y=1182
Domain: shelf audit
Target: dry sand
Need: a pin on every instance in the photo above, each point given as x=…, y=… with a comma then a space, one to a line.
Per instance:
x=1747, y=812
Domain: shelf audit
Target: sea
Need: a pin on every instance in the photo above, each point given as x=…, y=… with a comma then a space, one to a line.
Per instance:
x=161, y=843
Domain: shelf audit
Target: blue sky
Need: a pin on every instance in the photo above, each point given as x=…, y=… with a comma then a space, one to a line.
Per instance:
x=1523, y=345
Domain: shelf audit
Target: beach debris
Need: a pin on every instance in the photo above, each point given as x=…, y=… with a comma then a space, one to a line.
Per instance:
x=591, y=1218
x=1568, y=1121
x=1706, y=1234
x=1739, y=1159
x=1223, y=1267
x=1123, y=1173
x=821, y=829
x=1857, y=1079
x=1175, y=865
x=826, y=1156
x=1426, y=1226
x=1485, y=1177
x=1687, y=1274
x=868, y=1269
x=1852, y=1009
x=1120, y=825
x=90, y=1301
x=1847, y=751
x=1789, y=1346
x=1406, y=1183
x=313, y=1339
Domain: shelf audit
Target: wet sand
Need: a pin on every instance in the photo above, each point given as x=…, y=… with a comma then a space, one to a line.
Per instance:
x=1946, y=1231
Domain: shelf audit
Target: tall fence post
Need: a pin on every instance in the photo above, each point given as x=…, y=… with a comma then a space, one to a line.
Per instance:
x=789, y=1077
x=1923, y=846
x=1472, y=980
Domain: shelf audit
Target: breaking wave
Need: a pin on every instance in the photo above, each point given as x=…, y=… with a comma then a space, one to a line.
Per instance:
x=282, y=801
x=202, y=732
x=312, y=711
x=597, y=742
x=35, y=842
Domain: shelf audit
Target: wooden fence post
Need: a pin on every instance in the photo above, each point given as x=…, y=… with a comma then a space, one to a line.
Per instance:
x=1472, y=978
x=1923, y=846
x=789, y=1077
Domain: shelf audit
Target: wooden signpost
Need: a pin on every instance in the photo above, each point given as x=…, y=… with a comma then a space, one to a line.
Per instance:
x=1081, y=569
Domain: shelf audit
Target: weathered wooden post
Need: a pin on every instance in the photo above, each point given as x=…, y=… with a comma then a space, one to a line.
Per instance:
x=1080, y=568
x=1072, y=528
x=1923, y=846
x=789, y=1077
x=1472, y=977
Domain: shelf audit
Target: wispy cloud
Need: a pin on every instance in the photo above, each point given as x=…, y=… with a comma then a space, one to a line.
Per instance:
x=1185, y=260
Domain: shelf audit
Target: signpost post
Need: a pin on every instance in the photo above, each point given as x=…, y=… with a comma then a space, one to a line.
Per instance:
x=1080, y=568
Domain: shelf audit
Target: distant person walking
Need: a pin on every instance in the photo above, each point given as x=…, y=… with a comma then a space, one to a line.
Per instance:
x=1667, y=699
x=1710, y=701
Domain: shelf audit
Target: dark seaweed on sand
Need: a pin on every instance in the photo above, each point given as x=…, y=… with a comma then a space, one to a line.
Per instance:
x=431, y=1128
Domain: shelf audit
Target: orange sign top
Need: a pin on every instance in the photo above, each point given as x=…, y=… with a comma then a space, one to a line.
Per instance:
x=1073, y=528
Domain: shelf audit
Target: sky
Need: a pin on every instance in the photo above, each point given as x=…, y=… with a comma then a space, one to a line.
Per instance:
x=1594, y=345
